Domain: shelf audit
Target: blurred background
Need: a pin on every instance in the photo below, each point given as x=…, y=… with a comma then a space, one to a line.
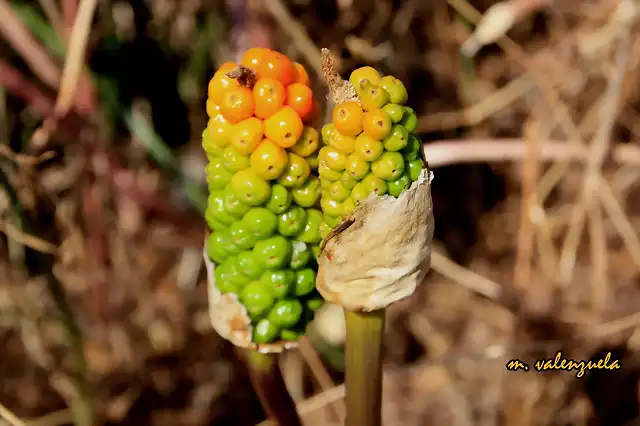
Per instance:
x=530, y=118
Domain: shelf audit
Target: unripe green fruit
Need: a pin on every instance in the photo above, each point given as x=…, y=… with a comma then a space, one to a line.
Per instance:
x=292, y=222
x=409, y=120
x=311, y=234
x=217, y=176
x=305, y=281
x=232, y=203
x=397, y=186
x=265, y=331
x=286, y=313
x=233, y=160
x=280, y=199
x=389, y=166
x=215, y=205
x=274, y=252
x=301, y=254
x=249, y=188
x=396, y=90
x=372, y=96
x=249, y=263
x=257, y=299
x=395, y=112
x=241, y=236
x=261, y=222
x=308, y=194
x=280, y=283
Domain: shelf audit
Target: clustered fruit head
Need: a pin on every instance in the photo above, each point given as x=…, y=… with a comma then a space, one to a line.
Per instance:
x=369, y=147
x=264, y=191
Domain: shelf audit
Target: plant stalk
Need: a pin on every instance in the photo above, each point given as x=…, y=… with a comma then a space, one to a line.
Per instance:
x=363, y=376
x=270, y=387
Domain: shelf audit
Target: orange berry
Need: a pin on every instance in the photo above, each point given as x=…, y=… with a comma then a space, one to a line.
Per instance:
x=252, y=57
x=300, y=98
x=284, y=127
x=347, y=118
x=269, y=160
x=246, y=135
x=268, y=96
x=220, y=83
x=277, y=66
x=225, y=68
x=302, y=76
x=376, y=124
x=212, y=108
x=237, y=104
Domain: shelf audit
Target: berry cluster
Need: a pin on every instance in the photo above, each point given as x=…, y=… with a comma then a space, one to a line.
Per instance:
x=262, y=148
x=370, y=146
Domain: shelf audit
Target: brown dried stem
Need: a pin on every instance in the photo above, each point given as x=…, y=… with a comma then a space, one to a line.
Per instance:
x=339, y=90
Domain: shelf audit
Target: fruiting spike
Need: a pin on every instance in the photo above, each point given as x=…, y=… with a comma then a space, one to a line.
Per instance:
x=262, y=202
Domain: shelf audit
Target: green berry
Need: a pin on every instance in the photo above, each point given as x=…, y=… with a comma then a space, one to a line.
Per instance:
x=311, y=234
x=409, y=119
x=301, y=254
x=314, y=303
x=289, y=335
x=389, y=166
x=286, y=313
x=305, y=281
x=397, y=186
x=415, y=168
x=280, y=199
x=217, y=176
x=241, y=236
x=261, y=222
x=249, y=263
x=257, y=299
x=215, y=205
x=280, y=282
x=265, y=332
x=274, y=252
x=308, y=194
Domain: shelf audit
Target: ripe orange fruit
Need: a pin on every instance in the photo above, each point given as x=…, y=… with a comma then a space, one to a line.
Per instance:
x=284, y=127
x=268, y=160
x=219, y=83
x=225, y=68
x=212, y=108
x=237, y=104
x=302, y=76
x=253, y=57
x=277, y=66
x=347, y=118
x=300, y=98
x=268, y=96
x=247, y=135
x=376, y=124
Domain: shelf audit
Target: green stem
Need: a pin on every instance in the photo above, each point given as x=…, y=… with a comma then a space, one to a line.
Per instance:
x=272, y=392
x=364, y=367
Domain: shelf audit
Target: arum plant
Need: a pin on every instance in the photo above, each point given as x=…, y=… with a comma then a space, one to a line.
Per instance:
x=378, y=226
x=264, y=226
